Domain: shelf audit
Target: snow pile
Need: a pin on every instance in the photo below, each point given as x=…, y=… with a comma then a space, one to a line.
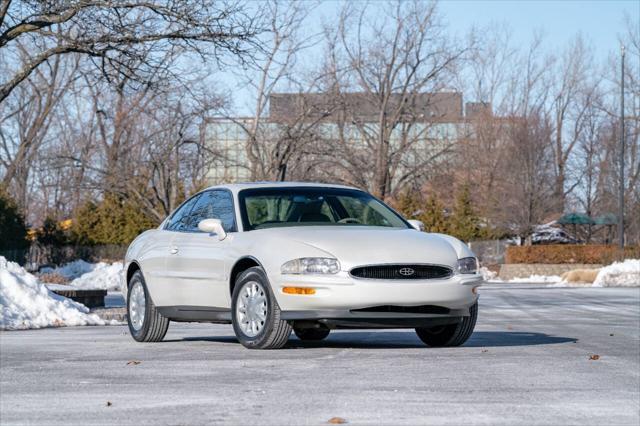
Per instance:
x=25, y=303
x=103, y=276
x=619, y=274
x=537, y=279
x=72, y=270
x=487, y=274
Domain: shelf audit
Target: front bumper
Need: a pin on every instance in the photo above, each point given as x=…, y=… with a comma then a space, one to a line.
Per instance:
x=341, y=294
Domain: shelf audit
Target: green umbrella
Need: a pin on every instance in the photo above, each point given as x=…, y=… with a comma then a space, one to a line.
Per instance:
x=575, y=219
x=606, y=219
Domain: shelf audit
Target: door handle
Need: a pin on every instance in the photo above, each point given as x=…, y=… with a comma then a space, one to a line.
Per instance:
x=173, y=250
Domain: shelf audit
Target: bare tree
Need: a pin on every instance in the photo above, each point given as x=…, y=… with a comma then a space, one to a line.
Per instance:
x=589, y=159
x=526, y=175
x=276, y=141
x=146, y=144
x=484, y=149
x=122, y=36
x=573, y=94
x=26, y=118
x=609, y=181
x=397, y=63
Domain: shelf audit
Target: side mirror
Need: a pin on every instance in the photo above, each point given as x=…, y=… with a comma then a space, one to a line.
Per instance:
x=212, y=226
x=417, y=225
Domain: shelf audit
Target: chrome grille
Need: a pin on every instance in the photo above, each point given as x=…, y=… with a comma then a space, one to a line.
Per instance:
x=402, y=272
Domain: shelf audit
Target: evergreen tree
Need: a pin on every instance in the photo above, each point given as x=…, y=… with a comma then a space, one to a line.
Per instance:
x=114, y=220
x=410, y=205
x=433, y=216
x=13, y=231
x=465, y=223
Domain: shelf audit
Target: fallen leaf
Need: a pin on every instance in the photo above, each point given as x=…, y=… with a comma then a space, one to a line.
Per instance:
x=337, y=421
x=133, y=362
x=485, y=350
x=594, y=357
x=611, y=334
x=109, y=404
x=509, y=327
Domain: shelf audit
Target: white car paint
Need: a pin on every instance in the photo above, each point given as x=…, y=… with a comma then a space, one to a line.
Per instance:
x=193, y=268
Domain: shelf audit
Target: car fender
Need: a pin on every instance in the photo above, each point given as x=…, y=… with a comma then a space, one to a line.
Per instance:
x=462, y=250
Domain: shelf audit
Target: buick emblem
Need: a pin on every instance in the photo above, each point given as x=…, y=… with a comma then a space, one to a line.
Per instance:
x=406, y=272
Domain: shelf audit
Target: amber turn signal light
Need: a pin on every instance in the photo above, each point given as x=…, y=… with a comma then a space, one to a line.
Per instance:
x=298, y=290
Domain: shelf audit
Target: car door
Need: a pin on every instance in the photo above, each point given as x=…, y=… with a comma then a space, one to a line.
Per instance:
x=199, y=259
x=161, y=284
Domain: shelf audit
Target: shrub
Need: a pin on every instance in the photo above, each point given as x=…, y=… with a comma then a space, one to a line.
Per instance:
x=13, y=231
x=569, y=253
x=52, y=234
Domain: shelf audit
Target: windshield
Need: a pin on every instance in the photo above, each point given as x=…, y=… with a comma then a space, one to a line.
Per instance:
x=312, y=206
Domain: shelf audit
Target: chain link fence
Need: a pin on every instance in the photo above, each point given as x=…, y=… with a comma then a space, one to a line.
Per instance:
x=490, y=252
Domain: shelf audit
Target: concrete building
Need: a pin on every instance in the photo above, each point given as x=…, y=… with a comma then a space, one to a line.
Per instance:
x=435, y=118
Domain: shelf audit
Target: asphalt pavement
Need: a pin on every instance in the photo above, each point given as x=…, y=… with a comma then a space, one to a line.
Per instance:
x=538, y=356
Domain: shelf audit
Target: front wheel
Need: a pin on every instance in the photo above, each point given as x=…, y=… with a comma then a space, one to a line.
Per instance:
x=451, y=334
x=146, y=324
x=255, y=312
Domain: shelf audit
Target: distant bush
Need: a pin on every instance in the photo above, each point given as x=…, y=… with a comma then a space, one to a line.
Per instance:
x=569, y=253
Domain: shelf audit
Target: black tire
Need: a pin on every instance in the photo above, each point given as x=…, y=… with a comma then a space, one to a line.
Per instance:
x=275, y=332
x=154, y=326
x=452, y=334
x=311, y=333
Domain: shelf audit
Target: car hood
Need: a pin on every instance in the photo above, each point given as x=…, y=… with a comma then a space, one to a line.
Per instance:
x=364, y=245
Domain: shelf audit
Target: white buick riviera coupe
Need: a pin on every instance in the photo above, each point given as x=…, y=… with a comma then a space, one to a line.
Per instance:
x=270, y=258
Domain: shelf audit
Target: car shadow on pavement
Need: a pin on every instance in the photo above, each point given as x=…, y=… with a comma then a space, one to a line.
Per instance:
x=399, y=339
x=514, y=338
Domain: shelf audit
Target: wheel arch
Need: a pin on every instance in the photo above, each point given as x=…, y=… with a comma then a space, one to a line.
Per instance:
x=131, y=269
x=239, y=267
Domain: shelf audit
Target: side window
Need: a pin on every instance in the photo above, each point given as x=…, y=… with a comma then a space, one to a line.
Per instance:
x=214, y=204
x=178, y=221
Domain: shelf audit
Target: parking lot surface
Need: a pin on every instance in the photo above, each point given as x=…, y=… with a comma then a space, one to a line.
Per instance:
x=538, y=356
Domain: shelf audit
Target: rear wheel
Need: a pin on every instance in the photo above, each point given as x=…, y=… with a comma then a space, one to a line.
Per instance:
x=145, y=322
x=311, y=333
x=451, y=334
x=255, y=312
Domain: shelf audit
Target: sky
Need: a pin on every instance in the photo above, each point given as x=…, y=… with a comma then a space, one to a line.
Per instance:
x=598, y=21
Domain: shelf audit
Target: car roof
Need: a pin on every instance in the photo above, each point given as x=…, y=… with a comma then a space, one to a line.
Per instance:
x=235, y=187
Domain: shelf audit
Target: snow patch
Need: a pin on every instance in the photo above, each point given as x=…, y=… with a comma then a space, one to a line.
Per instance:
x=26, y=303
x=619, y=274
x=563, y=284
x=103, y=276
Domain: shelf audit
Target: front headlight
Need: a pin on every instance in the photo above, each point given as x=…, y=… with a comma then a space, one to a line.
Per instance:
x=468, y=265
x=311, y=265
